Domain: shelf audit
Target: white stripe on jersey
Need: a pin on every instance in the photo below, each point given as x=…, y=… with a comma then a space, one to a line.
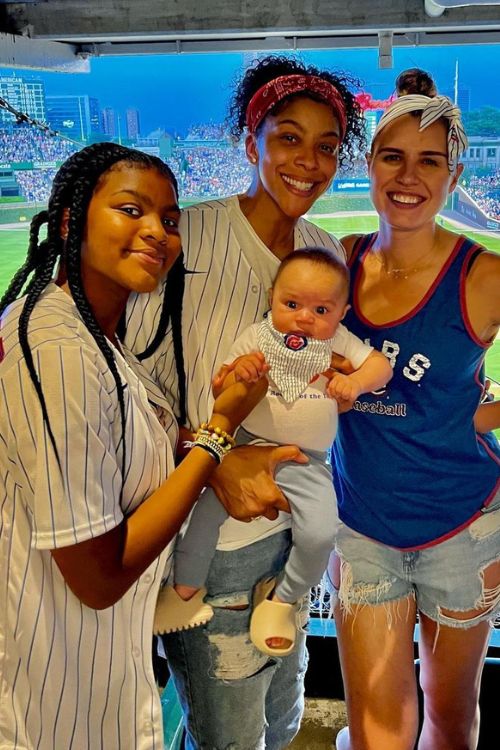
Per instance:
x=227, y=291
x=70, y=676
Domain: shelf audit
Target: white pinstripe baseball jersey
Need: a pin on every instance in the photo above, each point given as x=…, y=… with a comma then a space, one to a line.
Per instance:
x=71, y=676
x=227, y=291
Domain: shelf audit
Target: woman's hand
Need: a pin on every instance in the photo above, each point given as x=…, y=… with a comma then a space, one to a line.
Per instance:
x=244, y=482
x=236, y=402
x=341, y=364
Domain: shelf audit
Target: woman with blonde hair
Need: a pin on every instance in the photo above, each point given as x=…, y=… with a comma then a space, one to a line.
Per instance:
x=417, y=486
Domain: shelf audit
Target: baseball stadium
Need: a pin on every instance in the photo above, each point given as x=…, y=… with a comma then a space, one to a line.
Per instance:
x=49, y=110
x=208, y=166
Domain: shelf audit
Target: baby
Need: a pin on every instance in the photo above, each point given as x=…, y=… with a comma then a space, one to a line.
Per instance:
x=293, y=347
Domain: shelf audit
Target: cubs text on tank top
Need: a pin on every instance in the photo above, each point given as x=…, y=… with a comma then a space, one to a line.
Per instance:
x=411, y=469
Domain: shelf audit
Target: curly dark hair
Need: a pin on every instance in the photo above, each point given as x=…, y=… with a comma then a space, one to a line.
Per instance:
x=273, y=66
x=73, y=188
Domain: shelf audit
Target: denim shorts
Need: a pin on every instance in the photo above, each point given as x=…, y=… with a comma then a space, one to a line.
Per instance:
x=447, y=576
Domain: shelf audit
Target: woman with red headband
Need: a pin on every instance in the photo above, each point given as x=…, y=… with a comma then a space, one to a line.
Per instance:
x=299, y=124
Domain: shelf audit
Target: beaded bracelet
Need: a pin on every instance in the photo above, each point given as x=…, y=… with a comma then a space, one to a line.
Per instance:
x=215, y=441
x=215, y=433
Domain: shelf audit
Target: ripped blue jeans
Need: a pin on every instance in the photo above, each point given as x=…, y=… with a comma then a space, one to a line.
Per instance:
x=233, y=696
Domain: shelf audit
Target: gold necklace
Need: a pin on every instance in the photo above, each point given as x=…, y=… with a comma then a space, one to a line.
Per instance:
x=406, y=271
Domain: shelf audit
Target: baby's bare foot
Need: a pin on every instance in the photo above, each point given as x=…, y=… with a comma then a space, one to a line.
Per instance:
x=185, y=592
x=278, y=643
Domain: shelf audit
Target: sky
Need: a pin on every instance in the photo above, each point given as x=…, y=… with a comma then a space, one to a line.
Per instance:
x=174, y=91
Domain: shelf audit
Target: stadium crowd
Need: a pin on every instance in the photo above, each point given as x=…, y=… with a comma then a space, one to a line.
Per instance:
x=35, y=184
x=212, y=171
x=210, y=131
x=485, y=191
x=202, y=171
x=27, y=144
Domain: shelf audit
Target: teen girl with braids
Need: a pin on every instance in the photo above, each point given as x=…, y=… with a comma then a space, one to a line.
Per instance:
x=299, y=122
x=87, y=441
x=419, y=508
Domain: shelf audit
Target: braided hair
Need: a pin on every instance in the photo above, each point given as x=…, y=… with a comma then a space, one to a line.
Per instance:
x=171, y=311
x=73, y=188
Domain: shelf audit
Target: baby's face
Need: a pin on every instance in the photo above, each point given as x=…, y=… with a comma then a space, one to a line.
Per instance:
x=308, y=299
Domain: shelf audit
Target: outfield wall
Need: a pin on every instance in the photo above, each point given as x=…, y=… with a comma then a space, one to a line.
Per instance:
x=343, y=201
x=22, y=212
x=470, y=212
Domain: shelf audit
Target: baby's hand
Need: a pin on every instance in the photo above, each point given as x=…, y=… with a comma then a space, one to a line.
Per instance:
x=250, y=367
x=343, y=388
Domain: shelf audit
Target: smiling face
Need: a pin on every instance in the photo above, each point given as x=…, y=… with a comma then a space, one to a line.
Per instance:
x=308, y=298
x=132, y=232
x=295, y=152
x=408, y=168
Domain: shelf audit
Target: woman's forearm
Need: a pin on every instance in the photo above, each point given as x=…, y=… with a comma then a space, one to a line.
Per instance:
x=487, y=416
x=100, y=570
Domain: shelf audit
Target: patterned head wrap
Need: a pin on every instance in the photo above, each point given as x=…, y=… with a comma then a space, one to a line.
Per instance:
x=293, y=359
x=432, y=108
x=274, y=91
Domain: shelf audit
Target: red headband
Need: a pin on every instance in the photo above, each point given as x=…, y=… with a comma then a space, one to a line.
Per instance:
x=274, y=91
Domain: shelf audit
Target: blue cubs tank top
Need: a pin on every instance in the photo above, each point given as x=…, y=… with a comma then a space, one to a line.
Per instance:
x=410, y=468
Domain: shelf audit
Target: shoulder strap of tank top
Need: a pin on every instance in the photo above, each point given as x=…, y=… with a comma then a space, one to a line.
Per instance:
x=360, y=246
x=473, y=251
